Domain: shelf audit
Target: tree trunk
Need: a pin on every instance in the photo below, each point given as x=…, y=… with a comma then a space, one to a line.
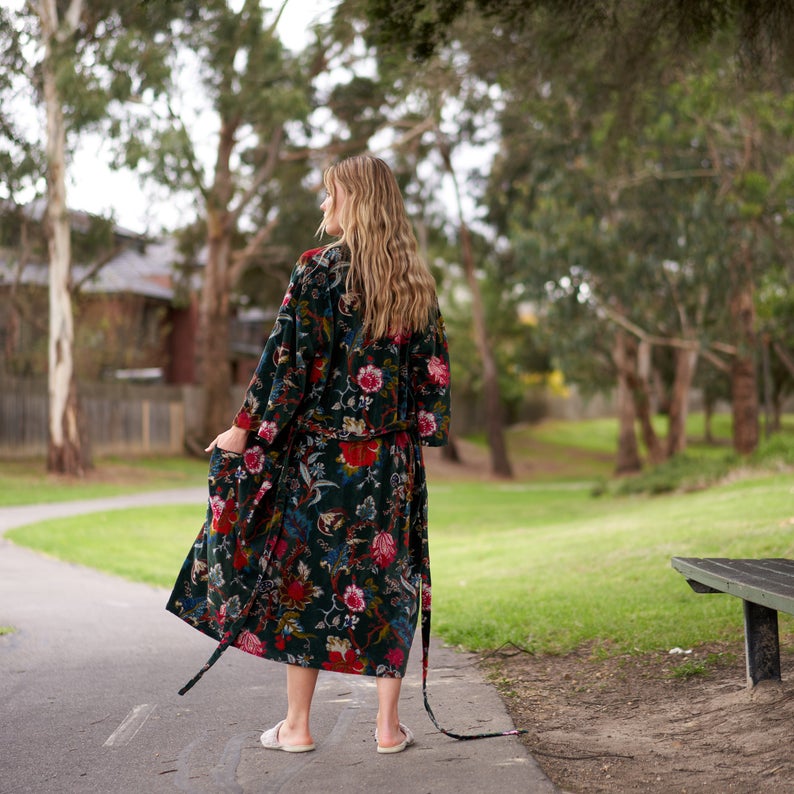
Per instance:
x=494, y=419
x=494, y=422
x=214, y=367
x=708, y=413
x=628, y=456
x=744, y=382
x=450, y=451
x=769, y=399
x=66, y=453
x=685, y=365
x=636, y=360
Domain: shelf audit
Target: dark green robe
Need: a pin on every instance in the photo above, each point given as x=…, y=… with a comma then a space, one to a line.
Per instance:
x=314, y=551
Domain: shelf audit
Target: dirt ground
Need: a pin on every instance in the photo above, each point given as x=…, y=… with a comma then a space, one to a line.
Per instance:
x=660, y=723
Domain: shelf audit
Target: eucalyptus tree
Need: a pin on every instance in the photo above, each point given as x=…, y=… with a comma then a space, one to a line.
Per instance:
x=431, y=113
x=223, y=138
x=85, y=59
x=761, y=29
x=659, y=206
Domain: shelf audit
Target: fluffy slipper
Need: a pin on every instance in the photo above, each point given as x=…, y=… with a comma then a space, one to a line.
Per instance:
x=398, y=748
x=270, y=741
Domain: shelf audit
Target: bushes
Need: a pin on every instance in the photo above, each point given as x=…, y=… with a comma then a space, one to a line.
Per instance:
x=696, y=468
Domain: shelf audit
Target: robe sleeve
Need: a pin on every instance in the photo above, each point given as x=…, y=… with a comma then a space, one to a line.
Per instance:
x=296, y=355
x=430, y=383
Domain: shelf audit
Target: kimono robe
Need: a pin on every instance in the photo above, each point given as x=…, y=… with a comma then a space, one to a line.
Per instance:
x=314, y=550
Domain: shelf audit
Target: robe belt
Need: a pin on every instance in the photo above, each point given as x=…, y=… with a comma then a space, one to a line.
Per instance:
x=399, y=425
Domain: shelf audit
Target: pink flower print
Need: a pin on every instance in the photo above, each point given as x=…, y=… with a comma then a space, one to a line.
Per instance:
x=384, y=549
x=249, y=643
x=438, y=371
x=427, y=423
x=354, y=598
x=254, y=458
x=268, y=430
x=370, y=379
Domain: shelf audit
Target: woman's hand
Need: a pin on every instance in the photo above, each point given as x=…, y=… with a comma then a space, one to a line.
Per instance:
x=231, y=440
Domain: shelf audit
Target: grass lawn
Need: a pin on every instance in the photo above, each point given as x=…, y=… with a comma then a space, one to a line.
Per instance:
x=27, y=481
x=544, y=565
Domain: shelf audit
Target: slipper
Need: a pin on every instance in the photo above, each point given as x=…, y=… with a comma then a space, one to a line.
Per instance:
x=398, y=748
x=270, y=741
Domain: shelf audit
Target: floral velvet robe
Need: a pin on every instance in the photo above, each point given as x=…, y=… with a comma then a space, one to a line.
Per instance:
x=314, y=550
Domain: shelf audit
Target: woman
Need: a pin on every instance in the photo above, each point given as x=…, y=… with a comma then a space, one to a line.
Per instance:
x=314, y=552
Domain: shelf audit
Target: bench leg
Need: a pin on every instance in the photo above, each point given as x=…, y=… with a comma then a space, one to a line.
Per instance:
x=761, y=643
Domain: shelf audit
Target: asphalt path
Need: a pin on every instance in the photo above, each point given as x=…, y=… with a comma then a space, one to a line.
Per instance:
x=89, y=703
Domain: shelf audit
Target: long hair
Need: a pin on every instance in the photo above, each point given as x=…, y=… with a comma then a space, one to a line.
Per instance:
x=393, y=286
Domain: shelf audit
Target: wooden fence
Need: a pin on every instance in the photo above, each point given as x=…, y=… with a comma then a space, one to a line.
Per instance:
x=143, y=419
x=120, y=418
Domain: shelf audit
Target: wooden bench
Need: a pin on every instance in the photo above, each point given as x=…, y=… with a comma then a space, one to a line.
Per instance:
x=765, y=586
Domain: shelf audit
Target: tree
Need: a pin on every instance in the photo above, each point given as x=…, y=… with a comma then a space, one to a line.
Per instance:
x=254, y=91
x=92, y=54
x=762, y=29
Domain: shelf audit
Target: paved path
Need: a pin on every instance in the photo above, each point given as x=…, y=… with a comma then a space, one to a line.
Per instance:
x=88, y=699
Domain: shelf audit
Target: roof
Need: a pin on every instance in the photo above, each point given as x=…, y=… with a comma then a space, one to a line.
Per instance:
x=142, y=266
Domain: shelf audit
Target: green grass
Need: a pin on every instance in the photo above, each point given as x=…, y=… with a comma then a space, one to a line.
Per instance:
x=544, y=565
x=142, y=544
x=27, y=481
x=553, y=570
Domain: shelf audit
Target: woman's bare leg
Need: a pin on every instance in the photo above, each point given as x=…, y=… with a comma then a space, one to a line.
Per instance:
x=300, y=691
x=389, y=733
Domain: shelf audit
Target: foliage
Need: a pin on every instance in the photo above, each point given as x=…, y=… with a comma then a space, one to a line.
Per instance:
x=682, y=472
x=763, y=28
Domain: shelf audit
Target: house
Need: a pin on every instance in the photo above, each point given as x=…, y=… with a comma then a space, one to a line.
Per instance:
x=135, y=304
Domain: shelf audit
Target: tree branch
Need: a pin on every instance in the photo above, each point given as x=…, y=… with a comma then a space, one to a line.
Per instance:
x=240, y=259
x=264, y=172
x=784, y=356
x=98, y=265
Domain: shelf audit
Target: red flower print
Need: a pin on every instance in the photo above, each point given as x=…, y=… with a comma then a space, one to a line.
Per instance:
x=296, y=594
x=359, y=453
x=281, y=642
x=243, y=420
x=427, y=597
x=268, y=431
x=249, y=643
x=395, y=657
x=281, y=548
x=370, y=379
x=427, y=423
x=438, y=371
x=240, y=556
x=318, y=369
x=254, y=458
x=349, y=663
x=354, y=598
x=384, y=549
x=224, y=515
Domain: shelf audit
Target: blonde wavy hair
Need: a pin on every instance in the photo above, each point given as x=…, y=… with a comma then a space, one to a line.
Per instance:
x=393, y=286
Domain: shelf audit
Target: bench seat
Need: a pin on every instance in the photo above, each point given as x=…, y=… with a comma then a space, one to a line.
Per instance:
x=766, y=586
